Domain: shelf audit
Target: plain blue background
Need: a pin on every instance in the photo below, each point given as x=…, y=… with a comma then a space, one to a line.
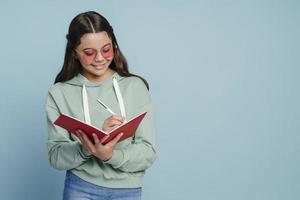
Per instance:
x=224, y=79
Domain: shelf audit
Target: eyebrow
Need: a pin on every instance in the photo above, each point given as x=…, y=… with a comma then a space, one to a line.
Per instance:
x=101, y=47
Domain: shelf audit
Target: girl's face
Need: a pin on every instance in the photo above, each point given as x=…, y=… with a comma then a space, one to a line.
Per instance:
x=95, y=53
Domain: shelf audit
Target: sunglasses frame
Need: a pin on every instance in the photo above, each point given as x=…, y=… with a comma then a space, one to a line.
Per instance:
x=90, y=57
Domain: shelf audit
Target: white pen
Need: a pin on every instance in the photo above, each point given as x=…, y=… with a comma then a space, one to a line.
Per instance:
x=106, y=107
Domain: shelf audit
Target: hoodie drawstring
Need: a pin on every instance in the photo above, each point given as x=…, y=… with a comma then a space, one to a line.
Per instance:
x=119, y=97
x=86, y=106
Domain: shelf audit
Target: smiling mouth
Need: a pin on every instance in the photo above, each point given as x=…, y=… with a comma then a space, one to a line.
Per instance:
x=99, y=66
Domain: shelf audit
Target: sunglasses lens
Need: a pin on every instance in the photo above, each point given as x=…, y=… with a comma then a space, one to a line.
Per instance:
x=90, y=54
x=107, y=53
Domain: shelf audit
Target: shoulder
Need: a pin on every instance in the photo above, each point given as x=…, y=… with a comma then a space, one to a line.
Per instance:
x=55, y=88
x=53, y=92
x=58, y=88
x=135, y=83
x=135, y=91
x=57, y=92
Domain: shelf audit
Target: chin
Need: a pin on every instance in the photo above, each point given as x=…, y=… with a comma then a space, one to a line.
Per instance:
x=99, y=72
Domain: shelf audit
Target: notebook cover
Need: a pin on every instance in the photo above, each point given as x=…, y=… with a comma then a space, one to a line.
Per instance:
x=71, y=124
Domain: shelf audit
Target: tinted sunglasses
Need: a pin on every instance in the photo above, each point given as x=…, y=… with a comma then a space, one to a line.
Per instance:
x=90, y=54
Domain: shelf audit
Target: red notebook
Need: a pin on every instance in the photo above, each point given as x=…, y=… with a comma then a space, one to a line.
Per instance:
x=71, y=124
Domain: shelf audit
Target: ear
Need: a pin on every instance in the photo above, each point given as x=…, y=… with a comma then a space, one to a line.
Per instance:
x=115, y=45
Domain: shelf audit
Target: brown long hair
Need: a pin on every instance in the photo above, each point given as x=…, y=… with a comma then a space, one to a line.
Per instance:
x=90, y=22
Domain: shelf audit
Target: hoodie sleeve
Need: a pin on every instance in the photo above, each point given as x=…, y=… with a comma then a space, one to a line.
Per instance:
x=63, y=153
x=139, y=155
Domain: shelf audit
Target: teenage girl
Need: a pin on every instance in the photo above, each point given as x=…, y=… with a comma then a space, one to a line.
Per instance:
x=95, y=68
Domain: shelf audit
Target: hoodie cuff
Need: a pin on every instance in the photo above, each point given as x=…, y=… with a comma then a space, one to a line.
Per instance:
x=85, y=153
x=116, y=159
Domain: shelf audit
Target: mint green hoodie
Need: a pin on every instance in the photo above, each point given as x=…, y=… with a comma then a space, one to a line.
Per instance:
x=131, y=157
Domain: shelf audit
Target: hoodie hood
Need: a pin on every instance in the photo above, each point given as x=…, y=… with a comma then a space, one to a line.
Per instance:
x=82, y=81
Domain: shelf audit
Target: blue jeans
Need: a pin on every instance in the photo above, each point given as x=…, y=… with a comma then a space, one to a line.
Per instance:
x=78, y=189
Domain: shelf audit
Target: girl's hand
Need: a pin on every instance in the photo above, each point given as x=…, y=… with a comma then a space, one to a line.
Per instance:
x=112, y=122
x=103, y=152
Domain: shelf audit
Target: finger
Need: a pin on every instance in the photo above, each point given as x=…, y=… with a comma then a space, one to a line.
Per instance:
x=113, y=122
x=118, y=118
x=83, y=141
x=88, y=142
x=116, y=139
x=96, y=139
x=78, y=134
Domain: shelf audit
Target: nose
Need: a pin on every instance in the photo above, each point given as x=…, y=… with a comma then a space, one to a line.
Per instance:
x=99, y=57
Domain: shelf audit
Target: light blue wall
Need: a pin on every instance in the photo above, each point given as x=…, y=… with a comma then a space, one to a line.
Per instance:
x=224, y=79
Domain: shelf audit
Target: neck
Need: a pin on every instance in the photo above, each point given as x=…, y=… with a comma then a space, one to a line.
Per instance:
x=99, y=79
